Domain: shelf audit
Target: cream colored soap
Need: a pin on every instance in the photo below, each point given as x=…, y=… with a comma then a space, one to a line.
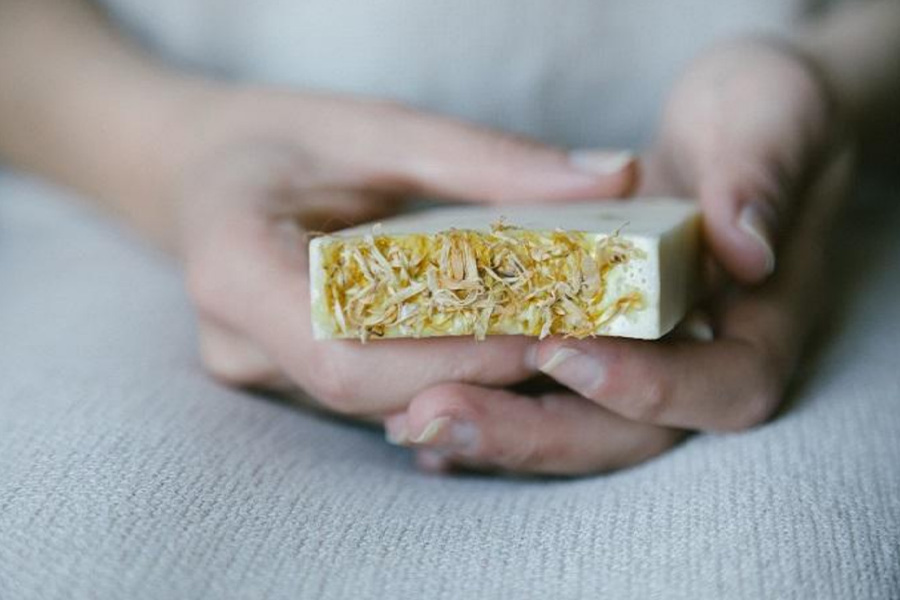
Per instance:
x=620, y=268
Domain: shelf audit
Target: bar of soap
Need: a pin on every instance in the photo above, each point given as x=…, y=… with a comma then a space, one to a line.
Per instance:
x=619, y=268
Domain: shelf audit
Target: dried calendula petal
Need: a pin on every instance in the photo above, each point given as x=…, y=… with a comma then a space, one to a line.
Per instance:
x=602, y=268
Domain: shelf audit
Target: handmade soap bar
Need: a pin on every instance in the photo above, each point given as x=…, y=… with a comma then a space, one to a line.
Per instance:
x=622, y=268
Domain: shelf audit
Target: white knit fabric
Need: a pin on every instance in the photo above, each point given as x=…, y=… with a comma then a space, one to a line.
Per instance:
x=574, y=72
x=126, y=473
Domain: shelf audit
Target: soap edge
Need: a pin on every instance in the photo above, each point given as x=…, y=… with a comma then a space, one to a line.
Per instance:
x=322, y=324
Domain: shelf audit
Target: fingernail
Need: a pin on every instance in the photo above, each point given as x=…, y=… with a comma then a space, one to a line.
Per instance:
x=450, y=435
x=433, y=429
x=752, y=222
x=396, y=430
x=699, y=327
x=599, y=162
x=581, y=372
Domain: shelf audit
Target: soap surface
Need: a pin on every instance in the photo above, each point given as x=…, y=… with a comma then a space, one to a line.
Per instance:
x=609, y=267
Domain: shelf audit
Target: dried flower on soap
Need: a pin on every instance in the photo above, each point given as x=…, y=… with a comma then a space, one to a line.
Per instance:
x=463, y=282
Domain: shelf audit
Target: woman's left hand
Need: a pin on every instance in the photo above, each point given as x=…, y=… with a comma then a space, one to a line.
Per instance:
x=752, y=131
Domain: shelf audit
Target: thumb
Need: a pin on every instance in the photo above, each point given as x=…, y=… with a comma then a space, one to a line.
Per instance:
x=417, y=153
x=752, y=189
x=744, y=213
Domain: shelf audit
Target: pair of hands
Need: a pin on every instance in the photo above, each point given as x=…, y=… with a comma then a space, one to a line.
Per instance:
x=750, y=130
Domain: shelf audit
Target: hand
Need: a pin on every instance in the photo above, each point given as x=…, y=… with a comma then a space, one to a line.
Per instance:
x=752, y=132
x=270, y=166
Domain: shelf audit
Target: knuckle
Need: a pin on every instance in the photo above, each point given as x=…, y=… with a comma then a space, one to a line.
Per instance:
x=202, y=289
x=466, y=370
x=535, y=452
x=448, y=399
x=496, y=146
x=653, y=443
x=329, y=380
x=756, y=410
x=206, y=288
x=387, y=106
x=649, y=401
x=221, y=366
x=499, y=361
x=528, y=454
x=761, y=399
x=553, y=405
x=234, y=362
x=403, y=119
x=811, y=89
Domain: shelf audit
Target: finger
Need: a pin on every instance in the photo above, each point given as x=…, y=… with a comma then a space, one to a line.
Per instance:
x=236, y=360
x=389, y=147
x=724, y=385
x=747, y=154
x=742, y=206
x=260, y=289
x=555, y=433
x=503, y=169
x=744, y=209
x=739, y=379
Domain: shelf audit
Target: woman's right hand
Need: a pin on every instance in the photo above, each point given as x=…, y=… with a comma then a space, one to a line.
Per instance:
x=264, y=167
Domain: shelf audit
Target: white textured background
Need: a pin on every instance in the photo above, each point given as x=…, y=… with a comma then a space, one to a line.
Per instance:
x=126, y=473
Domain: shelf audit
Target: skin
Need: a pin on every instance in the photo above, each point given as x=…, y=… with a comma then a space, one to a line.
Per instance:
x=248, y=213
x=232, y=178
x=724, y=136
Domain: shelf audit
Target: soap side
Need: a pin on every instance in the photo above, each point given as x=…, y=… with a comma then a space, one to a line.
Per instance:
x=679, y=269
x=323, y=326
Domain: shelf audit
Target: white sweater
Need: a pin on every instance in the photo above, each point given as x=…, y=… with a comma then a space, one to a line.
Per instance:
x=574, y=72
